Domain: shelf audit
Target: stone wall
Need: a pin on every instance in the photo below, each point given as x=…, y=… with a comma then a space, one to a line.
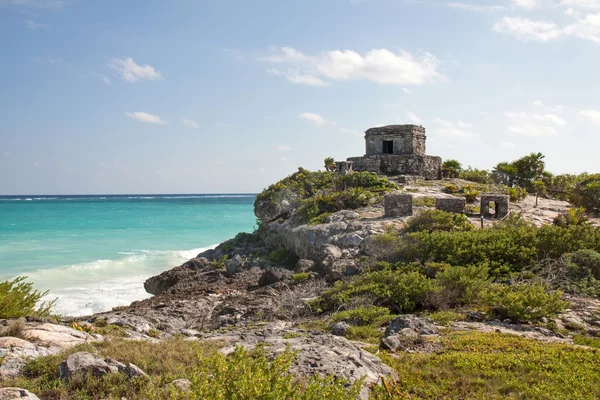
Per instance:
x=502, y=205
x=397, y=205
x=454, y=205
x=429, y=167
x=408, y=139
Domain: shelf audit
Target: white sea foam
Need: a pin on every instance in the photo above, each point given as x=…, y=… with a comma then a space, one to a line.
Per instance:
x=97, y=286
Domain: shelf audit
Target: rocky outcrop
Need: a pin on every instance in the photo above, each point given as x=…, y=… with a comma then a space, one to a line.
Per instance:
x=16, y=394
x=317, y=353
x=83, y=362
x=195, y=269
x=57, y=335
x=422, y=326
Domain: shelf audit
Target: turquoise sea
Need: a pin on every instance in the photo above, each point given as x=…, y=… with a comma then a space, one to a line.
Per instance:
x=94, y=252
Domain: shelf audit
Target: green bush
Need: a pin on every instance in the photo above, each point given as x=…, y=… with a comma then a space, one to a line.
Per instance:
x=300, y=277
x=367, y=180
x=522, y=302
x=475, y=175
x=470, y=193
x=588, y=259
x=586, y=341
x=424, y=201
x=219, y=263
x=574, y=216
x=362, y=316
x=587, y=192
x=517, y=193
x=283, y=257
x=451, y=189
x=460, y=286
x=437, y=220
x=19, y=299
x=445, y=317
x=348, y=199
x=400, y=291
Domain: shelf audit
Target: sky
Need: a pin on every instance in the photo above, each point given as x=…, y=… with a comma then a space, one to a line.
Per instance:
x=228, y=96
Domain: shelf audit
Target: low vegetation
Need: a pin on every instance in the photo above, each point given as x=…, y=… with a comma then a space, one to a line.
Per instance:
x=18, y=299
x=241, y=375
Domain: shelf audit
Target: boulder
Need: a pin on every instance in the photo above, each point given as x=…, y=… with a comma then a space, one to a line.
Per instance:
x=273, y=275
x=189, y=270
x=304, y=265
x=234, y=265
x=10, y=393
x=183, y=385
x=11, y=367
x=422, y=326
x=57, y=335
x=98, y=366
x=340, y=328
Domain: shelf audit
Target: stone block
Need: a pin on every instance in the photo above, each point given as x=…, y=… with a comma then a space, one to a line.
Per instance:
x=398, y=205
x=500, y=202
x=453, y=205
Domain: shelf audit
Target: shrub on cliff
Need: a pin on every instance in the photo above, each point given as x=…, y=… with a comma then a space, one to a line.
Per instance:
x=437, y=220
x=348, y=199
x=523, y=302
x=19, y=299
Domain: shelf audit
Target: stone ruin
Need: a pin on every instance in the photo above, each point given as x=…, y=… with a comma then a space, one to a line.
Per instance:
x=451, y=204
x=397, y=204
x=344, y=167
x=397, y=150
x=499, y=203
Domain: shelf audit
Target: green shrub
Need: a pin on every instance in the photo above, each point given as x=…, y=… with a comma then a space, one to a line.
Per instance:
x=451, y=189
x=460, y=285
x=220, y=263
x=574, y=216
x=319, y=219
x=424, y=201
x=517, y=193
x=401, y=291
x=475, y=175
x=586, y=341
x=367, y=180
x=367, y=334
x=446, y=317
x=371, y=315
x=522, y=302
x=437, y=220
x=587, y=192
x=588, y=259
x=470, y=193
x=348, y=199
x=283, y=257
x=19, y=299
x=300, y=277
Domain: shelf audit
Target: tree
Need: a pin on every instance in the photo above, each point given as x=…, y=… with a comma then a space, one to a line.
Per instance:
x=329, y=163
x=451, y=168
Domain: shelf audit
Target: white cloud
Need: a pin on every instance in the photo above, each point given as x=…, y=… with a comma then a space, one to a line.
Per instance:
x=35, y=26
x=106, y=80
x=592, y=115
x=587, y=28
x=527, y=4
x=455, y=130
x=413, y=118
x=538, y=103
x=314, y=118
x=145, y=117
x=476, y=7
x=378, y=65
x=527, y=29
x=188, y=123
x=406, y=90
x=130, y=71
x=508, y=145
x=283, y=147
x=549, y=119
x=528, y=129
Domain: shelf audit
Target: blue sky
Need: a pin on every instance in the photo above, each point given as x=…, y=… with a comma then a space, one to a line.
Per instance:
x=229, y=96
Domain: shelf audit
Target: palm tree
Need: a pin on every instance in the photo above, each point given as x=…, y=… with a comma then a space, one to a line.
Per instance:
x=330, y=167
x=452, y=168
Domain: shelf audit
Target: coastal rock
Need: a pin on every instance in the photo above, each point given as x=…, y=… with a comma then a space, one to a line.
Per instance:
x=340, y=328
x=304, y=265
x=273, y=275
x=281, y=203
x=234, y=265
x=318, y=353
x=98, y=366
x=422, y=326
x=196, y=269
x=16, y=394
x=183, y=385
x=11, y=367
x=57, y=335
x=15, y=347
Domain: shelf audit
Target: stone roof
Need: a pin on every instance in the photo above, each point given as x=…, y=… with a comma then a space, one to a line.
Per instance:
x=391, y=129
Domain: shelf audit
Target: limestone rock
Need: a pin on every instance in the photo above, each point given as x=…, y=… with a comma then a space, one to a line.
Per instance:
x=183, y=385
x=57, y=335
x=340, y=328
x=10, y=346
x=273, y=275
x=11, y=367
x=83, y=361
x=16, y=394
x=422, y=326
x=195, y=268
x=304, y=265
x=234, y=265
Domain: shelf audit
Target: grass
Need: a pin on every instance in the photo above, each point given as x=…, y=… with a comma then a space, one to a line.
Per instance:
x=476, y=365
x=424, y=202
x=241, y=375
x=587, y=341
x=446, y=317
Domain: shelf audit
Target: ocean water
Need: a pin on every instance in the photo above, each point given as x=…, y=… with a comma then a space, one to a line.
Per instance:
x=94, y=252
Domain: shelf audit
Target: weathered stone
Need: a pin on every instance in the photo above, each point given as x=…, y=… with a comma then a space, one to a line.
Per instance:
x=422, y=326
x=234, y=265
x=397, y=150
x=86, y=362
x=183, y=385
x=196, y=268
x=273, y=275
x=340, y=328
x=304, y=265
x=451, y=204
x=133, y=371
x=57, y=335
x=501, y=205
x=16, y=394
x=397, y=204
x=11, y=367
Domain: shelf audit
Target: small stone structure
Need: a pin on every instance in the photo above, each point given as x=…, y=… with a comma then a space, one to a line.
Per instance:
x=451, y=204
x=398, y=150
x=501, y=205
x=344, y=167
x=397, y=204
